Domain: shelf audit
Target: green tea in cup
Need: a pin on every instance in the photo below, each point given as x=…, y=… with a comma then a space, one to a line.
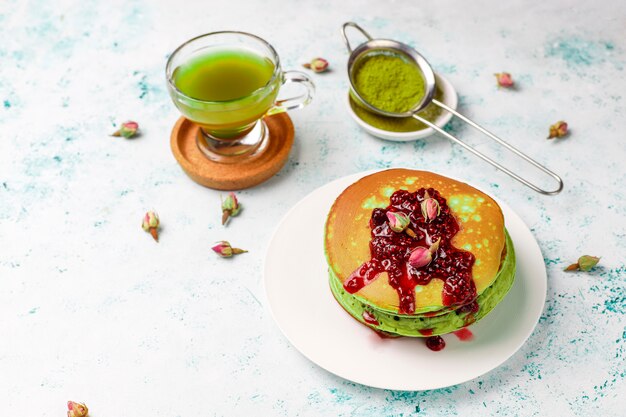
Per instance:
x=223, y=75
x=225, y=82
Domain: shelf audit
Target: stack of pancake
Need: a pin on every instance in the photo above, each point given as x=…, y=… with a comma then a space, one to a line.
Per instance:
x=473, y=260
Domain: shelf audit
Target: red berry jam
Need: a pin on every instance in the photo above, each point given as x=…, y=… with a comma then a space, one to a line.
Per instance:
x=470, y=311
x=464, y=334
x=435, y=343
x=385, y=335
x=390, y=253
x=369, y=318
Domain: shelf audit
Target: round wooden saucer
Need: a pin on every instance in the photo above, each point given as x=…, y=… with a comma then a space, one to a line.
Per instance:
x=233, y=176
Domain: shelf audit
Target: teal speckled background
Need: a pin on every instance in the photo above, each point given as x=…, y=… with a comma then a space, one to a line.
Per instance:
x=92, y=309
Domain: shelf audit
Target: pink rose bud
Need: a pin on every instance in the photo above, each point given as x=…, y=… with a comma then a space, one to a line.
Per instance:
x=127, y=130
x=422, y=256
x=225, y=250
x=585, y=263
x=398, y=221
x=558, y=130
x=150, y=224
x=504, y=79
x=317, y=65
x=430, y=208
x=76, y=409
x=230, y=207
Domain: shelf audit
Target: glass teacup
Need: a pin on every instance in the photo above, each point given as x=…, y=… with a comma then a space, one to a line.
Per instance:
x=225, y=82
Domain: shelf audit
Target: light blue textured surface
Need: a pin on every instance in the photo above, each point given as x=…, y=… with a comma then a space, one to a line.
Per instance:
x=92, y=309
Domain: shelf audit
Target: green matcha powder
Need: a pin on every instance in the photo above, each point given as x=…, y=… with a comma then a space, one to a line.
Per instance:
x=394, y=84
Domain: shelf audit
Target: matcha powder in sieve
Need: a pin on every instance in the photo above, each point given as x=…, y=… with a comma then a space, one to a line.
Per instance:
x=389, y=81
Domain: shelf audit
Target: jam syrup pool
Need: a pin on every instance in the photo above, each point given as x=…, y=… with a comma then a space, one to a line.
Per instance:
x=435, y=343
x=390, y=253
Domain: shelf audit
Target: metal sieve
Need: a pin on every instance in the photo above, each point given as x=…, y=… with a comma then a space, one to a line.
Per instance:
x=390, y=46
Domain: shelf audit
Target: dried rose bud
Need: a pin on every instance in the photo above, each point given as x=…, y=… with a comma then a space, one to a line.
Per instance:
x=127, y=130
x=430, y=208
x=225, y=250
x=317, y=65
x=422, y=256
x=504, y=79
x=585, y=263
x=558, y=130
x=398, y=221
x=151, y=223
x=230, y=207
x=76, y=409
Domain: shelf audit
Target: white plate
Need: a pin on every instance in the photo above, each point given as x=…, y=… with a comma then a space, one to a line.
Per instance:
x=450, y=99
x=296, y=283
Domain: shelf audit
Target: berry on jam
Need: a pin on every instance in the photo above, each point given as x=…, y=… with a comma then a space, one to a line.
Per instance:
x=379, y=217
x=402, y=196
x=458, y=290
x=390, y=252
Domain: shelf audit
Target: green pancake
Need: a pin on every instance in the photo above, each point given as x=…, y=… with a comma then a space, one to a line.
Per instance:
x=348, y=236
x=413, y=253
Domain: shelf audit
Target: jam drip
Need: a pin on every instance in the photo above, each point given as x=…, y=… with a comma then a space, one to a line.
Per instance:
x=464, y=334
x=369, y=318
x=390, y=253
x=435, y=343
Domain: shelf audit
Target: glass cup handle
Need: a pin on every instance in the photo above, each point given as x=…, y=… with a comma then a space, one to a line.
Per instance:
x=296, y=102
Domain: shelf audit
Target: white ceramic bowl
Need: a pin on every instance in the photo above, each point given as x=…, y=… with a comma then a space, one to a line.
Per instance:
x=450, y=98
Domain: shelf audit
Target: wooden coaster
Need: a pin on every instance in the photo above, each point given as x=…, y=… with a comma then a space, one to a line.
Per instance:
x=235, y=176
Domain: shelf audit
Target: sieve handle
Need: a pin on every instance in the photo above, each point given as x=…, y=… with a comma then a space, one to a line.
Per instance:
x=489, y=160
x=357, y=27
